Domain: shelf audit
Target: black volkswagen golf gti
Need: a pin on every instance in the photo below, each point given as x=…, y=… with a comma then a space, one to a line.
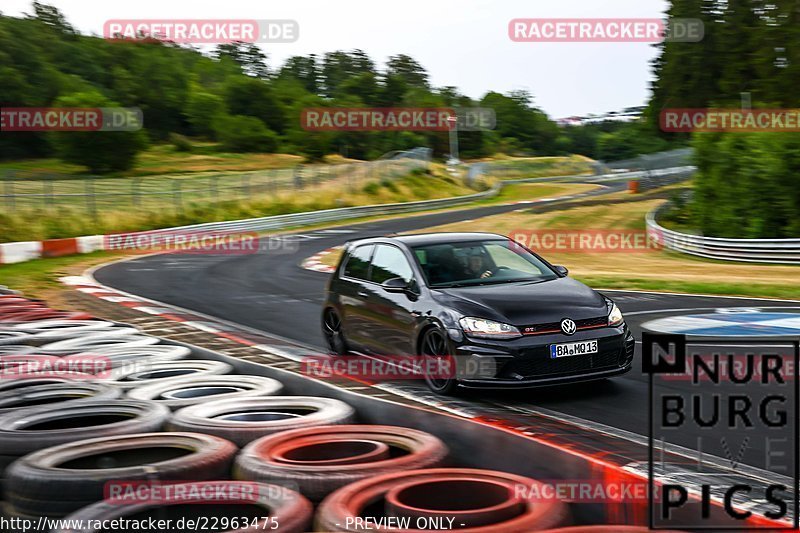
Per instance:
x=504, y=314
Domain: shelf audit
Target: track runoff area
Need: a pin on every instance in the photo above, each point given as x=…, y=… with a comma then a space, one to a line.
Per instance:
x=708, y=414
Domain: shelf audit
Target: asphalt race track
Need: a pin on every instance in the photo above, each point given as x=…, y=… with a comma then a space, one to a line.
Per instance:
x=272, y=293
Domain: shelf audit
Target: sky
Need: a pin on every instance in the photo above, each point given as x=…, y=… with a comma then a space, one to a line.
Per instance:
x=461, y=43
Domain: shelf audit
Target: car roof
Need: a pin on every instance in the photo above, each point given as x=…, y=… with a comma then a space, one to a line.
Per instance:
x=422, y=239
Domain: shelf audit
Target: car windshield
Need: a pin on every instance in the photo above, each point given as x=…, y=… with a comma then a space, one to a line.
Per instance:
x=463, y=264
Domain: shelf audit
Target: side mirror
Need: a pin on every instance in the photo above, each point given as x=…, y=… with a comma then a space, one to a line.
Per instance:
x=562, y=270
x=395, y=285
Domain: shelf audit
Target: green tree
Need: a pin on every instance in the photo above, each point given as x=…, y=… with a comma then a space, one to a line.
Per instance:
x=245, y=134
x=202, y=109
x=102, y=152
x=253, y=97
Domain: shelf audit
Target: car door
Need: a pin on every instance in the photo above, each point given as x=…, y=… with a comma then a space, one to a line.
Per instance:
x=354, y=293
x=391, y=315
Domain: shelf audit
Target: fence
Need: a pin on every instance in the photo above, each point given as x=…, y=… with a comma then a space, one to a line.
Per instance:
x=673, y=158
x=541, y=166
x=747, y=250
x=23, y=190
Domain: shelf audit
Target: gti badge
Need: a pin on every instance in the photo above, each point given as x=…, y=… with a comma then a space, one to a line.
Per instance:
x=568, y=326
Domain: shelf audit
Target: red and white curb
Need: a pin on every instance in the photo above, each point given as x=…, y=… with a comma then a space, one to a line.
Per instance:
x=315, y=261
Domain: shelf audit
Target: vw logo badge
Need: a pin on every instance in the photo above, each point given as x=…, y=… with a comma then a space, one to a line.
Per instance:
x=568, y=326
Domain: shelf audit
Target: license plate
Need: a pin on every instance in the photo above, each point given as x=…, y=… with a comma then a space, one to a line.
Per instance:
x=572, y=348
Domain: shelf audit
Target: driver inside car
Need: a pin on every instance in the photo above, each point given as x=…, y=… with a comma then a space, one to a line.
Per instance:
x=477, y=267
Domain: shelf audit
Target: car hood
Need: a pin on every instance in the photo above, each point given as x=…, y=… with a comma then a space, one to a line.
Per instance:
x=522, y=304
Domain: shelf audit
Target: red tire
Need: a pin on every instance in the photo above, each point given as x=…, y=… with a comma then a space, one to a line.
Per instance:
x=486, y=501
x=319, y=460
x=605, y=529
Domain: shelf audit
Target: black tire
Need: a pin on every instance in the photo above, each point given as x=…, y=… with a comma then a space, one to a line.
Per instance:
x=56, y=393
x=55, y=329
x=409, y=449
x=268, y=415
x=121, y=356
x=183, y=392
x=23, y=381
x=77, y=421
x=434, y=344
x=59, y=480
x=129, y=377
x=290, y=511
x=333, y=333
x=110, y=338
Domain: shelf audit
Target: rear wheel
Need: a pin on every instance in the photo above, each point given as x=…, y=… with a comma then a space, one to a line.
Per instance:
x=434, y=348
x=332, y=329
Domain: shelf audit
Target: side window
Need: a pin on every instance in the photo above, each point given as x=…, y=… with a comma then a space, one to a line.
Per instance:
x=389, y=262
x=357, y=265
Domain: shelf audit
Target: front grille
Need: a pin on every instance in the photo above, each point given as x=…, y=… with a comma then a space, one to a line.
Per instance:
x=537, y=363
x=552, y=327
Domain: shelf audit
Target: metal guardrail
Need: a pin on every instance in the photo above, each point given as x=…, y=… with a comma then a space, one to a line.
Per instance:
x=785, y=251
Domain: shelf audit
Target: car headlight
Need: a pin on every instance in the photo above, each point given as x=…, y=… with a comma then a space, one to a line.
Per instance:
x=488, y=329
x=615, y=316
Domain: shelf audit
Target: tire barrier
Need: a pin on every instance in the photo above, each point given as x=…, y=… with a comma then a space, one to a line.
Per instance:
x=61, y=329
x=119, y=356
x=59, y=480
x=23, y=381
x=129, y=377
x=62, y=440
x=191, y=390
x=24, y=431
x=244, y=420
x=112, y=338
x=55, y=393
x=289, y=510
x=320, y=460
x=483, y=500
x=9, y=337
x=9, y=364
x=15, y=309
x=9, y=349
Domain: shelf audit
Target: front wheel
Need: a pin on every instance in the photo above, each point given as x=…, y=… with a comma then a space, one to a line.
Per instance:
x=434, y=347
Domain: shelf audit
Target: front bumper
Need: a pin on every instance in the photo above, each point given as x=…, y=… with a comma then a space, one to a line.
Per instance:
x=526, y=362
